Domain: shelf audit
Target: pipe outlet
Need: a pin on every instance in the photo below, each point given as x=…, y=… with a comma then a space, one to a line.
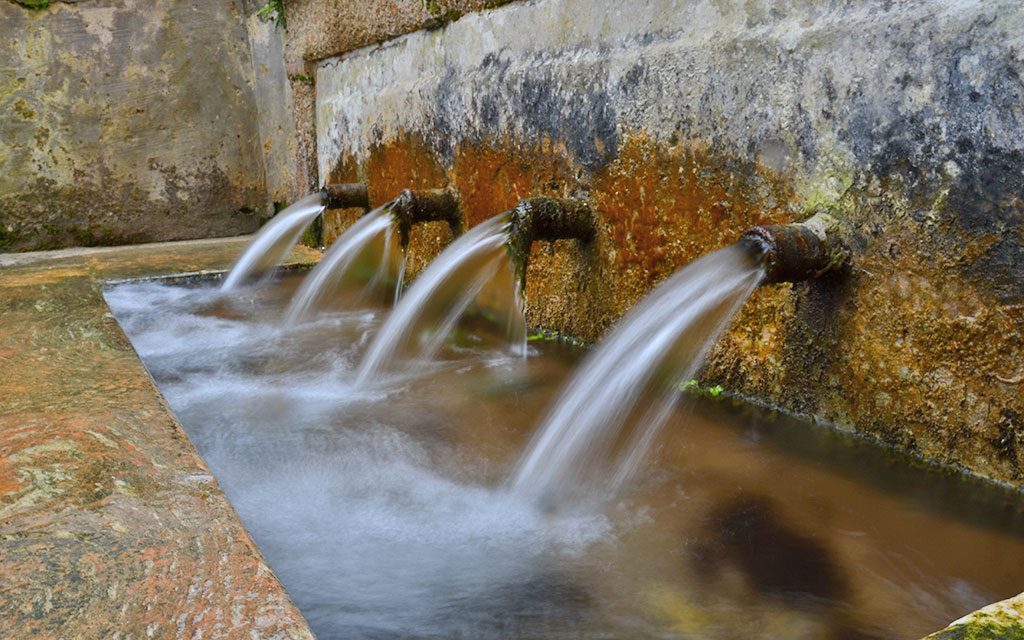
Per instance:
x=798, y=251
x=345, y=195
x=432, y=205
x=546, y=218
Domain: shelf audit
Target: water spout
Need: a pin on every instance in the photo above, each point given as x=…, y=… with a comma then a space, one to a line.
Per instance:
x=459, y=277
x=584, y=448
x=273, y=242
x=546, y=218
x=346, y=195
x=365, y=262
x=433, y=205
x=798, y=251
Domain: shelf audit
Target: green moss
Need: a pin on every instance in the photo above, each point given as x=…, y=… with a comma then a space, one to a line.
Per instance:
x=274, y=12
x=7, y=239
x=33, y=4
x=313, y=236
x=23, y=109
x=546, y=335
x=985, y=629
x=440, y=12
x=692, y=386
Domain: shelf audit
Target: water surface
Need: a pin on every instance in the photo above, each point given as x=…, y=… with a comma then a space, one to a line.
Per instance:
x=385, y=509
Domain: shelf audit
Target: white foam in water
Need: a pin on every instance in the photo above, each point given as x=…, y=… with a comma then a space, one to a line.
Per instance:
x=273, y=242
x=356, y=516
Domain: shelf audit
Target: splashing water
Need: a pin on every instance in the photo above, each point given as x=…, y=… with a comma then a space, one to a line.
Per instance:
x=669, y=332
x=474, y=268
x=367, y=256
x=273, y=242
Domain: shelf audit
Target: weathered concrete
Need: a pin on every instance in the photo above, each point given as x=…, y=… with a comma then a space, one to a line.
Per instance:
x=275, y=105
x=323, y=28
x=129, y=121
x=685, y=122
x=110, y=525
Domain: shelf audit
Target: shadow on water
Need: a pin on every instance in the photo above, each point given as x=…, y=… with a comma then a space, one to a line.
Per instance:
x=777, y=560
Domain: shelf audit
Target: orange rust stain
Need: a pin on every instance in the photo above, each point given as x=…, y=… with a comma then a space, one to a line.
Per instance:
x=406, y=162
x=493, y=177
x=9, y=483
x=665, y=205
x=335, y=221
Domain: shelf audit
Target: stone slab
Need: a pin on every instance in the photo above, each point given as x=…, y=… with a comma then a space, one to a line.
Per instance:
x=110, y=524
x=1002, y=620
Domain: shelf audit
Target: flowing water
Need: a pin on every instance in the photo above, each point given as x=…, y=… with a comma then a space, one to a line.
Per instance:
x=364, y=263
x=473, y=270
x=273, y=242
x=385, y=510
x=578, y=452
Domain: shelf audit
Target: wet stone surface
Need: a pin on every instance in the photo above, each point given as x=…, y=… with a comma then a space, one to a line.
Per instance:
x=109, y=522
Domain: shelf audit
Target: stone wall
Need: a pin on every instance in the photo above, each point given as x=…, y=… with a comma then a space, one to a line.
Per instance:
x=128, y=121
x=685, y=122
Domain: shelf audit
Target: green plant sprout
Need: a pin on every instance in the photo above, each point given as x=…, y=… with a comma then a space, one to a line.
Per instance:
x=273, y=11
x=692, y=386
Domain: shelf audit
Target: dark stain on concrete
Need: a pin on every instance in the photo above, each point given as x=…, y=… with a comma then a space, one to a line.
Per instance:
x=580, y=117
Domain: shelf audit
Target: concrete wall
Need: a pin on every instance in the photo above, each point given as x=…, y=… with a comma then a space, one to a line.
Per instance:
x=685, y=122
x=320, y=29
x=128, y=121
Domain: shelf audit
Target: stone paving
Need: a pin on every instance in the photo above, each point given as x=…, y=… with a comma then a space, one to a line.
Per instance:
x=110, y=524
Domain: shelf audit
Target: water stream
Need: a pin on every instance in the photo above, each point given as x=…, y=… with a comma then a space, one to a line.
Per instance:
x=474, y=270
x=386, y=512
x=273, y=241
x=579, y=451
x=365, y=262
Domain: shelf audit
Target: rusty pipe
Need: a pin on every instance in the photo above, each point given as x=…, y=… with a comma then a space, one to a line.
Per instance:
x=345, y=195
x=430, y=205
x=798, y=251
x=546, y=218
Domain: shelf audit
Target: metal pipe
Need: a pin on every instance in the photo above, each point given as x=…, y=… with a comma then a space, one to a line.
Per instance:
x=431, y=205
x=346, y=195
x=546, y=218
x=798, y=251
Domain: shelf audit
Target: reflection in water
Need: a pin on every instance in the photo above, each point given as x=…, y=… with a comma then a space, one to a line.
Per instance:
x=384, y=512
x=776, y=559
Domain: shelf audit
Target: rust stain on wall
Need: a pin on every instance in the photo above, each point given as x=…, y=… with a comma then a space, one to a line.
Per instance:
x=492, y=176
x=658, y=206
x=666, y=205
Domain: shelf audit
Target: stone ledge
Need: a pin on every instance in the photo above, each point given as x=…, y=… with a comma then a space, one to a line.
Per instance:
x=109, y=521
x=322, y=28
